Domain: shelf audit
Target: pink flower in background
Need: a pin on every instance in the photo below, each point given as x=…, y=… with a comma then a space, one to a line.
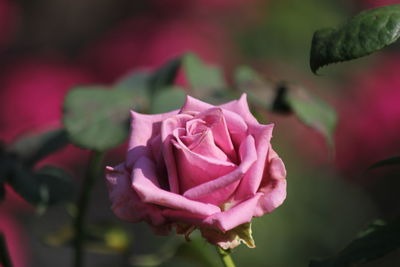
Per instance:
x=200, y=6
x=150, y=42
x=16, y=240
x=204, y=166
x=377, y=3
x=31, y=97
x=370, y=118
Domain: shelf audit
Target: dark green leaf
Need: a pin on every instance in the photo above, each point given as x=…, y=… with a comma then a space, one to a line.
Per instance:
x=204, y=80
x=165, y=75
x=49, y=185
x=372, y=244
x=287, y=98
x=168, y=100
x=386, y=162
x=260, y=91
x=27, y=185
x=362, y=35
x=59, y=184
x=96, y=118
x=312, y=111
x=30, y=149
x=2, y=191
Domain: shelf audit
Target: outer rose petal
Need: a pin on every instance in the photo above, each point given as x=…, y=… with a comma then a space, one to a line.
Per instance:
x=239, y=214
x=242, y=108
x=273, y=186
x=145, y=184
x=126, y=204
x=223, y=221
x=251, y=182
x=143, y=128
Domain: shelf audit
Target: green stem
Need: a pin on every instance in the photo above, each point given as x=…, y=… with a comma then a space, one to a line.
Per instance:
x=225, y=257
x=5, y=260
x=94, y=171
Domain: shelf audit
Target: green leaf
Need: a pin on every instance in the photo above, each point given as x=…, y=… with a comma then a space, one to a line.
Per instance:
x=312, y=111
x=30, y=149
x=27, y=185
x=97, y=118
x=372, y=244
x=137, y=83
x=49, y=185
x=362, y=35
x=168, y=100
x=288, y=98
x=165, y=75
x=386, y=162
x=59, y=184
x=261, y=92
x=204, y=80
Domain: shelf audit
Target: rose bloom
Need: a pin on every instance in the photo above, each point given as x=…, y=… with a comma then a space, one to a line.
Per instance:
x=203, y=166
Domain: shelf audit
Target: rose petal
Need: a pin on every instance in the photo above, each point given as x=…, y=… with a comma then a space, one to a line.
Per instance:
x=215, y=120
x=241, y=107
x=202, y=144
x=126, y=204
x=145, y=184
x=195, y=169
x=273, y=187
x=239, y=214
x=235, y=123
x=167, y=128
x=143, y=128
x=224, y=221
x=218, y=191
x=251, y=181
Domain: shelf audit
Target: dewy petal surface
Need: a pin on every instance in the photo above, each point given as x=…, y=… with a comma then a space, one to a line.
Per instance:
x=145, y=184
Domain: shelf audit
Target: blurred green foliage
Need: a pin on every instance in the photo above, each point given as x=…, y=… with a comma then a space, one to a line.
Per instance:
x=286, y=30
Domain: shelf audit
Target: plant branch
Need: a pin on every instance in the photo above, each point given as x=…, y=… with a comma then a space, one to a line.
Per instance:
x=94, y=171
x=225, y=257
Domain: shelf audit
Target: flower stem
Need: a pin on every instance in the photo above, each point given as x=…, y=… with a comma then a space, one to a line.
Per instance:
x=94, y=170
x=225, y=257
x=5, y=260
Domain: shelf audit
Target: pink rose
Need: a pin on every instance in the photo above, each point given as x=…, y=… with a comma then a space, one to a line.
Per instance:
x=203, y=166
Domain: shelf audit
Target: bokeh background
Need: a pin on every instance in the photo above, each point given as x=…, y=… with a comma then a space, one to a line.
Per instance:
x=49, y=46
